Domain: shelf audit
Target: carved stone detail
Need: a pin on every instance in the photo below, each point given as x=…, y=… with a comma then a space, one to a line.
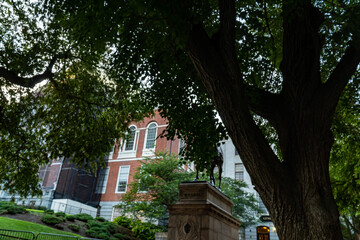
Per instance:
x=189, y=228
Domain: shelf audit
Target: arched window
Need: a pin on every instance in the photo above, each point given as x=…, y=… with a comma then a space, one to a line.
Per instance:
x=151, y=136
x=130, y=140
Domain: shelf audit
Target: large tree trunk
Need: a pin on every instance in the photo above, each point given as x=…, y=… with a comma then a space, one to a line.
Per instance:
x=296, y=189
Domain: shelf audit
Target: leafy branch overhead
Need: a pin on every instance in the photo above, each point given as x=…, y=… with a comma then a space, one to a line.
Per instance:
x=274, y=71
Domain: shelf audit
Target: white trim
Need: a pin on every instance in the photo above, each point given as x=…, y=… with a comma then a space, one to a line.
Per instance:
x=103, y=190
x=130, y=159
x=158, y=126
x=150, y=151
x=129, y=153
x=118, y=179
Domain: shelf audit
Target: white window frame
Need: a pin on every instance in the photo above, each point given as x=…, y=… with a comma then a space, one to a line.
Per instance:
x=150, y=151
x=129, y=153
x=103, y=190
x=242, y=168
x=118, y=179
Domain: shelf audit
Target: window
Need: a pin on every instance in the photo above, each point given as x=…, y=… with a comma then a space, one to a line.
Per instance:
x=130, y=140
x=151, y=136
x=123, y=179
x=239, y=171
x=102, y=180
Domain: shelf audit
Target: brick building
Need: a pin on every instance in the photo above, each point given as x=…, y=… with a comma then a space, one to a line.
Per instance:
x=143, y=141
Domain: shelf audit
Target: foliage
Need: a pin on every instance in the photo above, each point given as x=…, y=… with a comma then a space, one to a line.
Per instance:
x=246, y=206
x=119, y=236
x=156, y=180
x=70, y=218
x=74, y=227
x=160, y=176
x=344, y=161
x=101, y=219
x=51, y=219
x=142, y=230
x=11, y=208
x=49, y=211
x=101, y=229
x=60, y=214
x=83, y=217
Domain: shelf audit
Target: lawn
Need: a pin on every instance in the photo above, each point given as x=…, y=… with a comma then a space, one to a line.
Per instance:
x=14, y=224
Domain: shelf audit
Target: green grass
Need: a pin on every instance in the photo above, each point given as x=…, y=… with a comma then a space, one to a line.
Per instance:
x=14, y=224
x=35, y=210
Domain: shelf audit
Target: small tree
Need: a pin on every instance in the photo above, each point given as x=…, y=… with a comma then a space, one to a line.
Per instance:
x=156, y=186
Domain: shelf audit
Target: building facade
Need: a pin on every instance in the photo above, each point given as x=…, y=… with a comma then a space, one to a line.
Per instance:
x=124, y=160
x=234, y=168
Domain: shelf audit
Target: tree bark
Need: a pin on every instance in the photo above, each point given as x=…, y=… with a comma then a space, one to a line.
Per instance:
x=296, y=190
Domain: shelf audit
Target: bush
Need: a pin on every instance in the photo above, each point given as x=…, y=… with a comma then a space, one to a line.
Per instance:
x=14, y=209
x=119, y=236
x=83, y=217
x=141, y=230
x=103, y=235
x=110, y=227
x=60, y=214
x=70, y=218
x=123, y=221
x=51, y=219
x=49, y=211
x=98, y=232
x=40, y=208
x=93, y=223
x=91, y=233
x=100, y=219
x=74, y=227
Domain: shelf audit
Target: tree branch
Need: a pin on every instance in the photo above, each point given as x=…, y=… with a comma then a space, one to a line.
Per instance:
x=30, y=82
x=301, y=50
x=263, y=103
x=226, y=88
x=341, y=75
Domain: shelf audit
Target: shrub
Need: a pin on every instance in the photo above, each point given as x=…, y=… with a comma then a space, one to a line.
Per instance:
x=98, y=232
x=100, y=219
x=51, y=219
x=70, y=218
x=123, y=221
x=83, y=217
x=14, y=209
x=91, y=233
x=93, y=223
x=60, y=214
x=110, y=227
x=40, y=208
x=103, y=235
x=74, y=227
x=49, y=211
x=141, y=230
x=119, y=236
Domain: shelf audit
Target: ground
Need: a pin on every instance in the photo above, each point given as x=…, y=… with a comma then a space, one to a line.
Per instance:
x=36, y=218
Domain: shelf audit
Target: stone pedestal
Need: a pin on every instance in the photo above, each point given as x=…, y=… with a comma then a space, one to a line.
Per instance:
x=202, y=213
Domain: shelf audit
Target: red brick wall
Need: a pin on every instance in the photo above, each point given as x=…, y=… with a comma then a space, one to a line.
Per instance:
x=114, y=162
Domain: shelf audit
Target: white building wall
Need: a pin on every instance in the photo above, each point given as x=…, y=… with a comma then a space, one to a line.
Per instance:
x=230, y=159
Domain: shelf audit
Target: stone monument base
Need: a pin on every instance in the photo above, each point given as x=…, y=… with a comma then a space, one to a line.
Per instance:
x=202, y=213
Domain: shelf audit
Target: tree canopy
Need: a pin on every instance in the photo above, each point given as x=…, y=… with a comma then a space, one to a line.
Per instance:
x=278, y=64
